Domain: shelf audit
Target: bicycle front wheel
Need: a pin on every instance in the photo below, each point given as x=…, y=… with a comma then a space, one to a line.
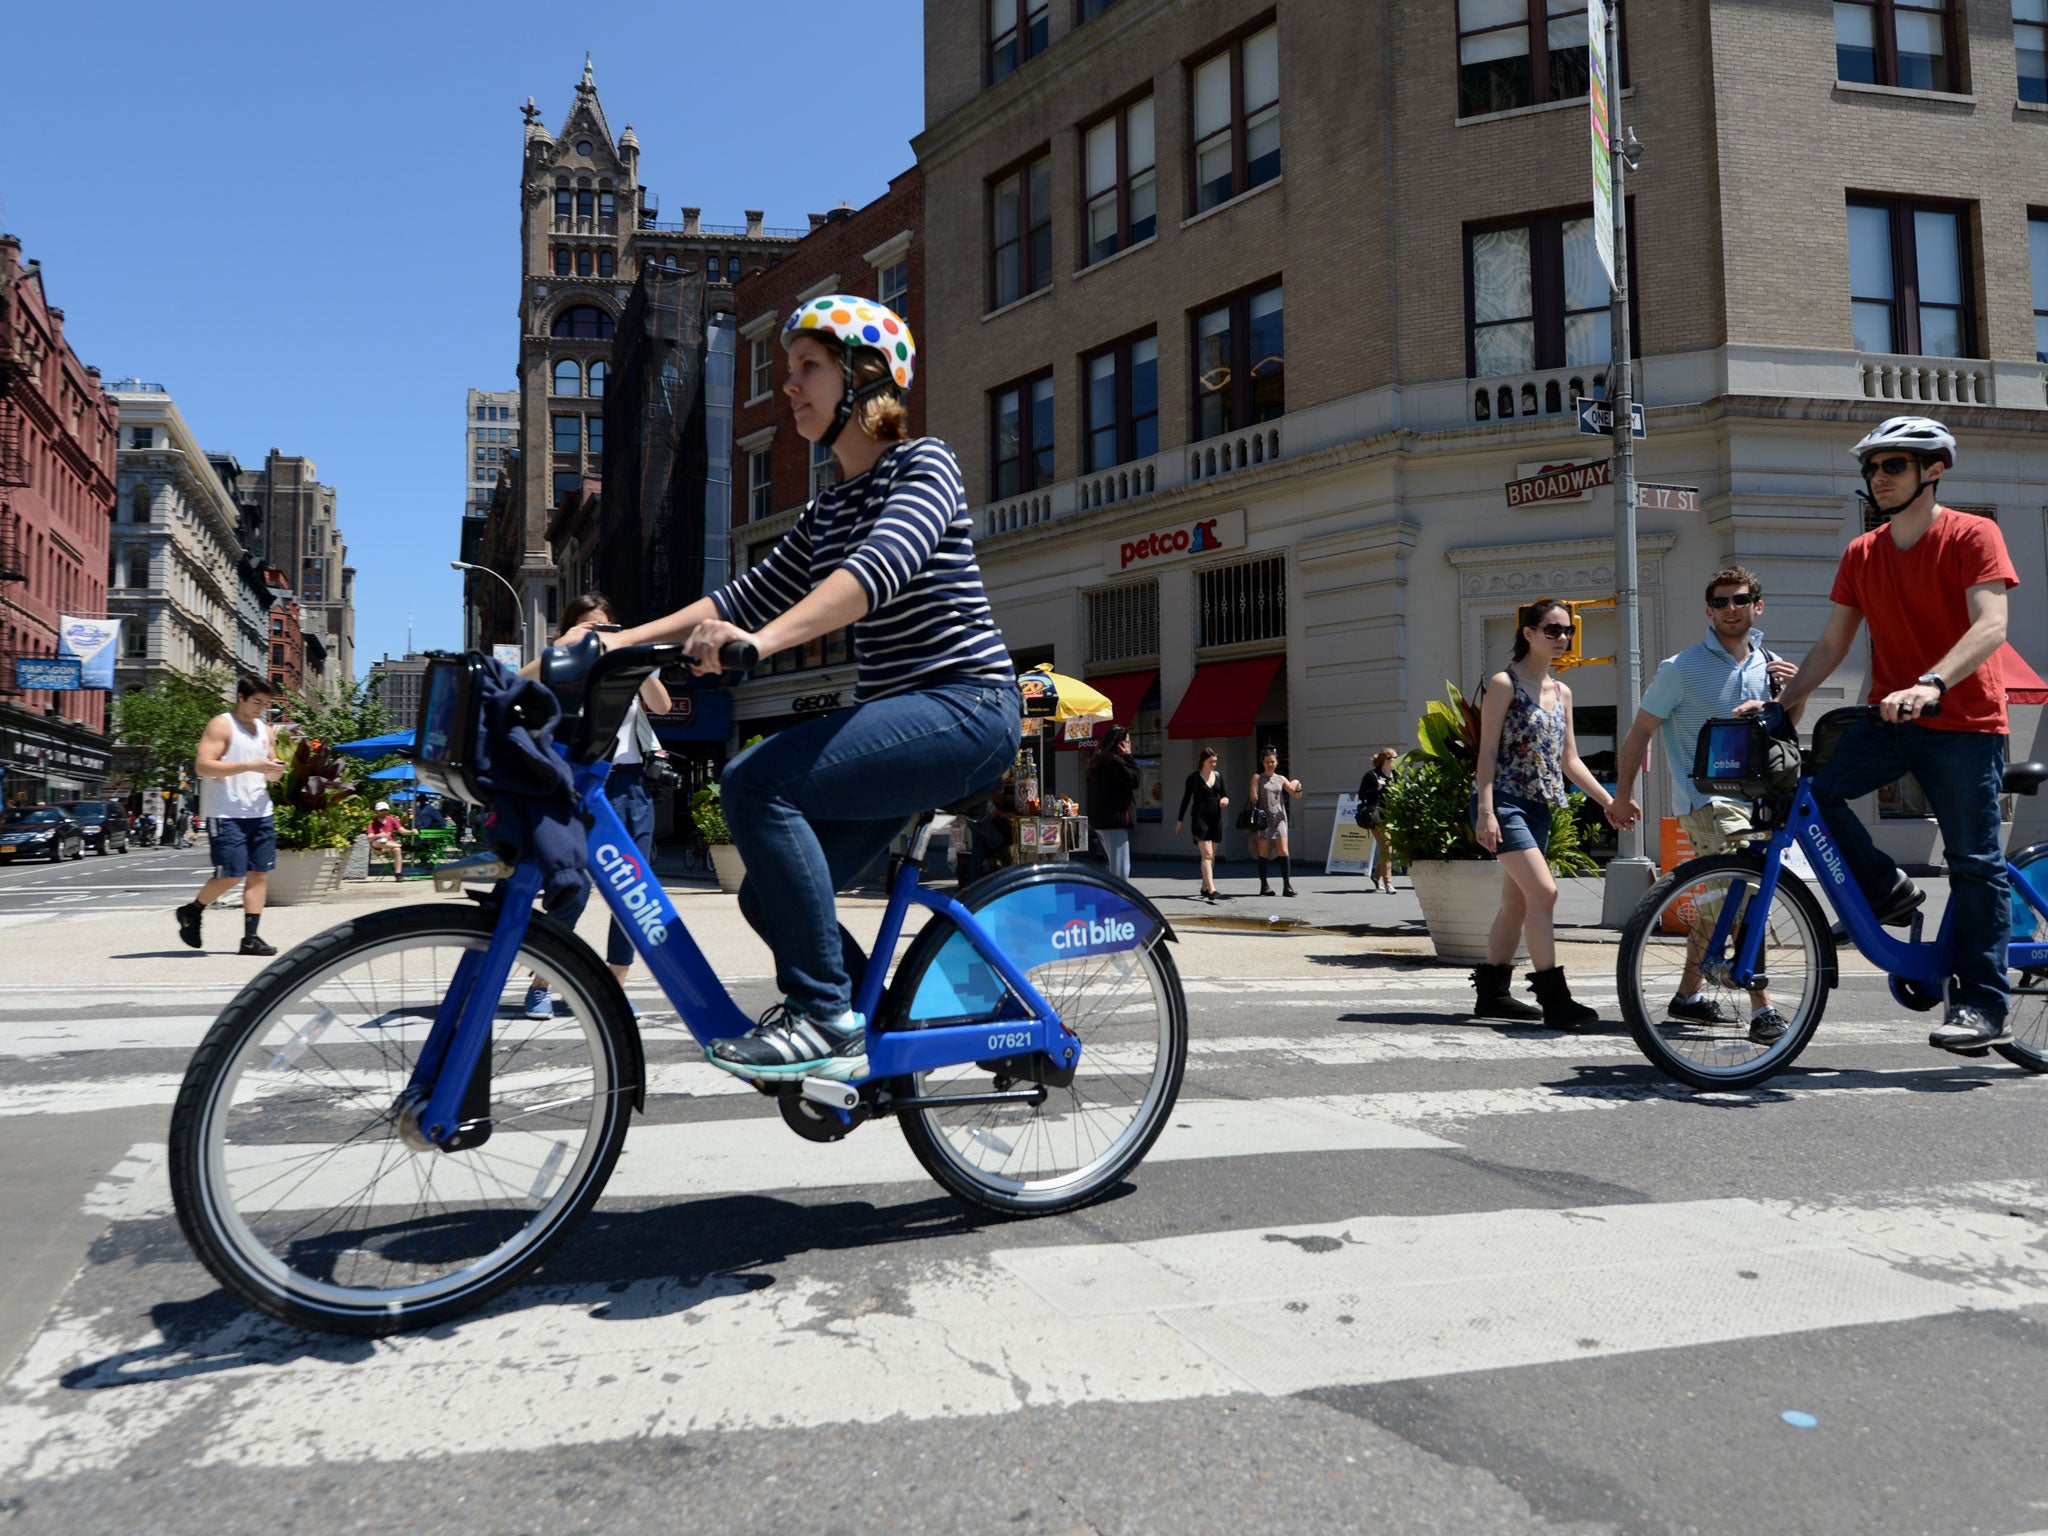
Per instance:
x=290, y=1175
x=1667, y=952
x=1130, y=1015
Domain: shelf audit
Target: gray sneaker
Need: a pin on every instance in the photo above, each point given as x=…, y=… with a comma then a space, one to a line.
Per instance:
x=1703, y=1010
x=789, y=1043
x=1768, y=1027
x=1967, y=1030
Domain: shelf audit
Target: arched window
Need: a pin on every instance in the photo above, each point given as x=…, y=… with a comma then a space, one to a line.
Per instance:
x=563, y=206
x=732, y=269
x=561, y=261
x=586, y=205
x=597, y=373
x=584, y=323
x=604, y=264
x=583, y=264
x=568, y=377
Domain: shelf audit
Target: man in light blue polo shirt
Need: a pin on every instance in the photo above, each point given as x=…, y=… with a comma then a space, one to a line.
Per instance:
x=1705, y=682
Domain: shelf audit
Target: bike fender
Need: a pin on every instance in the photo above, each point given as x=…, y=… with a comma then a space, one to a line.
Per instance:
x=1073, y=874
x=2026, y=853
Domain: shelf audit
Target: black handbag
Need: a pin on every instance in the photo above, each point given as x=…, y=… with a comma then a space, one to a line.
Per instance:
x=1253, y=818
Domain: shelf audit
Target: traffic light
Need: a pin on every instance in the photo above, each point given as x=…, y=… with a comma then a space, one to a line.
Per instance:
x=1575, y=655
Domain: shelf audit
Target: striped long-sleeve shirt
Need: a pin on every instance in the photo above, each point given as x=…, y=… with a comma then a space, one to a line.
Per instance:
x=912, y=550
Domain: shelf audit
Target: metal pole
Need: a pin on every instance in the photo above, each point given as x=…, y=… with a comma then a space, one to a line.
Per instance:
x=525, y=631
x=1630, y=874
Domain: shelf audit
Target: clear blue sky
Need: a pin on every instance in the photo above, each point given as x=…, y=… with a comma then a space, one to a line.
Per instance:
x=304, y=220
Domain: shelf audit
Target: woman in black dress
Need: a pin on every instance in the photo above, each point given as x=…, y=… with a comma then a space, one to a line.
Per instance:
x=1204, y=793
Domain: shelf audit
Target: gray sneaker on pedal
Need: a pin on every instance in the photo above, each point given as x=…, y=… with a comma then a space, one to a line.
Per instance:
x=1700, y=1010
x=1965, y=1029
x=788, y=1043
x=1768, y=1027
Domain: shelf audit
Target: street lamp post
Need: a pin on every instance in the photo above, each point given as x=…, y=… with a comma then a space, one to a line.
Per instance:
x=525, y=635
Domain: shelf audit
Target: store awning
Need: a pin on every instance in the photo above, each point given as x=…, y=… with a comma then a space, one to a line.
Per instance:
x=2023, y=685
x=1224, y=698
x=1126, y=692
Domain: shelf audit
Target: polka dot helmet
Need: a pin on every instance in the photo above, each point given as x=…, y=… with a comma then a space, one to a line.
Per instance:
x=858, y=322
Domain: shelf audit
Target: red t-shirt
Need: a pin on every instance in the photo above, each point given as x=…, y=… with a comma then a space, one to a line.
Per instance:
x=386, y=826
x=1913, y=600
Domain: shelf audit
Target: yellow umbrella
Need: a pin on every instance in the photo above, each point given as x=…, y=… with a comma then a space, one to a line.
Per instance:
x=1050, y=695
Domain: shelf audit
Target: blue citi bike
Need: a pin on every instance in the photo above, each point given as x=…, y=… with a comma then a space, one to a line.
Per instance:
x=373, y=1137
x=1743, y=925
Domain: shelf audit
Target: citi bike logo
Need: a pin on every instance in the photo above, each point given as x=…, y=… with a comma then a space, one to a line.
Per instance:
x=1829, y=857
x=628, y=879
x=1082, y=933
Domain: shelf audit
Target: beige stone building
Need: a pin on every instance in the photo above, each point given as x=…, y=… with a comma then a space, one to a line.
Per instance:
x=1241, y=316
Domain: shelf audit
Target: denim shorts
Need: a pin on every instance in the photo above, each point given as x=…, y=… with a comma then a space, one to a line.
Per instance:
x=1523, y=823
x=242, y=845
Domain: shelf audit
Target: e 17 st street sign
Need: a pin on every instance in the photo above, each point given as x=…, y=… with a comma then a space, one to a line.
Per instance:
x=1667, y=498
x=1596, y=418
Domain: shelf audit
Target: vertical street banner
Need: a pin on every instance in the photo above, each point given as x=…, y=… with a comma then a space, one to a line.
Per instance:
x=1603, y=137
x=92, y=642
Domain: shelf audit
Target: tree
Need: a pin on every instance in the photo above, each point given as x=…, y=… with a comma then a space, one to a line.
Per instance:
x=353, y=714
x=165, y=721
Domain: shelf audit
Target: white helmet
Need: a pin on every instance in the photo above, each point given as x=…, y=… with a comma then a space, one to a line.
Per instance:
x=1910, y=434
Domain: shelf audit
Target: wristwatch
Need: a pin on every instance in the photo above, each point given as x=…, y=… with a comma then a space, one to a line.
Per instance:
x=1932, y=680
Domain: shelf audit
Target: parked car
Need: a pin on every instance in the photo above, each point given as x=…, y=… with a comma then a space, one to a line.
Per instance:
x=104, y=823
x=40, y=832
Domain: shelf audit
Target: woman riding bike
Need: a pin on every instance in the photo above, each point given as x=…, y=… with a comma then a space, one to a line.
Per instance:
x=936, y=711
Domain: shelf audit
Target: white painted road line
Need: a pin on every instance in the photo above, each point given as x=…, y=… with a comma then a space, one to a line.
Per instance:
x=1271, y=1309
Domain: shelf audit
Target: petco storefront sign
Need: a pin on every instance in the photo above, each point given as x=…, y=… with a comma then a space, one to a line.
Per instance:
x=1175, y=541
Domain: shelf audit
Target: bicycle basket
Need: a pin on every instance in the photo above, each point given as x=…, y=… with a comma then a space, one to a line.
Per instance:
x=444, y=740
x=1743, y=759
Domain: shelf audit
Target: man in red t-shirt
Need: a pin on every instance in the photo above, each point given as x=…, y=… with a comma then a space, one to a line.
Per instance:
x=1932, y=583
x=386, y=830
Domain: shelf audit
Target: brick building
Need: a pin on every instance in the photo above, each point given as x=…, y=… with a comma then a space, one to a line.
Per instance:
x=295, y=526
x=58, y=433
x=1246, y=315
x=287, y=669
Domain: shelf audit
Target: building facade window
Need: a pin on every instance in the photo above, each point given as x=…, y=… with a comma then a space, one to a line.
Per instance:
x=1909, y=283
x=2037, y=238
x=1242, y=602
x=1908, y=43
x=1088, y=10
x=568, y=434
x=1239, y=361
x=1508, y=58
x=1020, y=231
x=1117, y=155
x=1123, y=402
x=732, y=269
x=1017, y=30
x=824, y=469
x=562, y=260
x=564, y=205
x=1538, y=297
x=607, y=206
x=585, y=264
x=893, y=288
x=594, y=432
x=1020, y=437
x=584, y=322
x=142, y=437
x=598, y=372
x=1234, y=95
x=568, y=377
x=566, y=482
x=606, y=264
x=1123, y=621
x=2030, y=46
x=760, y=487
x=761, y=366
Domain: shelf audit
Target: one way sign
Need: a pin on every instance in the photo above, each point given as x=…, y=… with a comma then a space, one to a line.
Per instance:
x=1596, y=418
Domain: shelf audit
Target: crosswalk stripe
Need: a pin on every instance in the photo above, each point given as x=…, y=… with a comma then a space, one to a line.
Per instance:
x=1269, y=1309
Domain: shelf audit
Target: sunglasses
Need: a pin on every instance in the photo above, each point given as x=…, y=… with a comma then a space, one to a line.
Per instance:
x=1896, y=464
x=1738, y=599
x=1559, y=631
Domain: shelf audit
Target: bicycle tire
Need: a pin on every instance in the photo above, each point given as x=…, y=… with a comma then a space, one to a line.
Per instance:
x=939, y=1137
x=2028, y=1019
x=1669, y=1044
x=252, y=1181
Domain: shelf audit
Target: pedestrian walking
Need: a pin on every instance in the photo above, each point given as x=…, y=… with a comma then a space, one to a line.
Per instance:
x=1203, y=795
x=1271, y=794
x=236, y=764
x=1526, y=752
x=626, y=788
x=1372, y=793
x=1705, y=682
x=1113, y=780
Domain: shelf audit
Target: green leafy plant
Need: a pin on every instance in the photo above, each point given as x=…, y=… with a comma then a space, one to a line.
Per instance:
x=316, y=804
x=1570, y=833
x=707, y=814
x=163, y=723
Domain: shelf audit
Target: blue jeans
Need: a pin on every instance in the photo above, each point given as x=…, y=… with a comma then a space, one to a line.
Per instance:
x=1963, y=773
x=627, y=790
x=812, y=806
x=1116, y=848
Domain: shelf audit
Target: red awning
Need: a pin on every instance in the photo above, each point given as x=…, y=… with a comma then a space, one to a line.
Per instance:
x=1125, y=692
x=2023, y=684
x=1224, y=698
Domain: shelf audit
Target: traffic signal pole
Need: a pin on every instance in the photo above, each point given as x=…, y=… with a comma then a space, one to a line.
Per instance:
x=1630, y=874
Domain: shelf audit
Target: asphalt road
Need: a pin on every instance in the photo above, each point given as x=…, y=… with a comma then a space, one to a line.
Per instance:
x=138, y=880
x=1436, y=1277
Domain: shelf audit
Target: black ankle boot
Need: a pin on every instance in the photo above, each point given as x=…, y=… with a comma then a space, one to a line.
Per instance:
x=1560, y=1009
x=1495, y=1001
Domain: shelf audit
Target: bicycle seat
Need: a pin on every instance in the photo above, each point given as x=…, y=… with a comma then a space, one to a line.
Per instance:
x=968, y=804
x=2024, y=778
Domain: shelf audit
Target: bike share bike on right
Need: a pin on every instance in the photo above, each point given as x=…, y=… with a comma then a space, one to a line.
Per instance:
x=1749, y=920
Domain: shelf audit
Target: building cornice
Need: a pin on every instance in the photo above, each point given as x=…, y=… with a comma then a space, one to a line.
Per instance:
x=890, y=251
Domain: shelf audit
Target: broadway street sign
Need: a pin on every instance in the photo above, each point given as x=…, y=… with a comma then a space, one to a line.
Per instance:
x=1560, y=484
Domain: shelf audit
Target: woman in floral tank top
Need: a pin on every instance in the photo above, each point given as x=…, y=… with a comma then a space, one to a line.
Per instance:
x=1526, y=752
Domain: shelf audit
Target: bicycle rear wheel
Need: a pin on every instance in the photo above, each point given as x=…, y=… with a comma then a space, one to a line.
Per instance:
x=1668, y=936
x=2028, y=1017
x=289, y=1173
x=1128, y=1011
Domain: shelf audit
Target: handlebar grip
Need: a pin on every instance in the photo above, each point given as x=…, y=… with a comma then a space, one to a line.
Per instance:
x=564, y=665
x=739, y=656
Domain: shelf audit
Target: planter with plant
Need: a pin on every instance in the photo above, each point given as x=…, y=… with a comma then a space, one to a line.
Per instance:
x=1427, y=810
x=319, y=813
x=707, y=815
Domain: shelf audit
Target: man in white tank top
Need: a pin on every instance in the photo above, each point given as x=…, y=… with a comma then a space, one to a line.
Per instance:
x=237, y=763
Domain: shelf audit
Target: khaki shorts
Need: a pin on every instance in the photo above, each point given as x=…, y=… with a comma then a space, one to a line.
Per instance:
x=1716, y=827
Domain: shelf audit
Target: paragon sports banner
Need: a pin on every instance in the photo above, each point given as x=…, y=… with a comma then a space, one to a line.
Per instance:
x=94, y=643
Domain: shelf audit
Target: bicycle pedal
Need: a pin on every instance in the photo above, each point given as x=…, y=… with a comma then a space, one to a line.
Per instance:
x=820, y=1090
